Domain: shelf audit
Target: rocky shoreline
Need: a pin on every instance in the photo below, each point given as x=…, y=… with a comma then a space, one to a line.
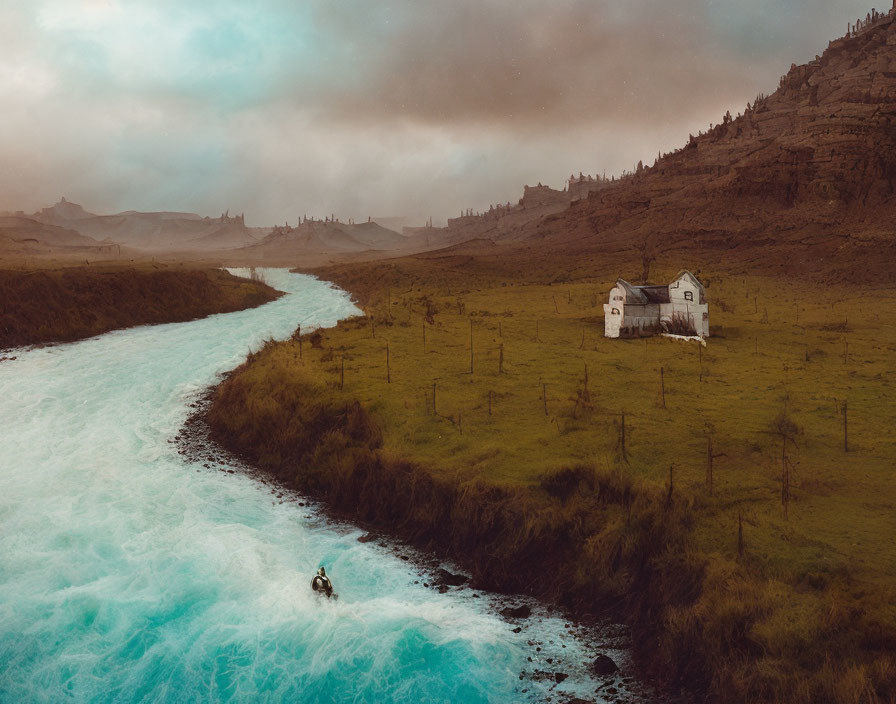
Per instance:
x=608, y=666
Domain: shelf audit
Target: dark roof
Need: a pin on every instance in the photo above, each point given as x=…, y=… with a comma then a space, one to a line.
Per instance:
x=644, y=294
x=655, y=294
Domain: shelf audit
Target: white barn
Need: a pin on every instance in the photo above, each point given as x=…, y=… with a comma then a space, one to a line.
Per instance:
x=635, y=311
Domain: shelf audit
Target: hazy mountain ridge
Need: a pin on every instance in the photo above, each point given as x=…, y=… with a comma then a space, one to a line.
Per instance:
x=24, y=236
x=152, y=231
x=318, y=237
x=805, y=176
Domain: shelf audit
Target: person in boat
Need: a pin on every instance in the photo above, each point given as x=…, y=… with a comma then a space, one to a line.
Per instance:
x=321, y=583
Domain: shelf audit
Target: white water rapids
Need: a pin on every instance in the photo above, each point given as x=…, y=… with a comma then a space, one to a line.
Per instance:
x=130, y=574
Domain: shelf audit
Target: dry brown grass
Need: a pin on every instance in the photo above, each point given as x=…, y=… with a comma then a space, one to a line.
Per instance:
x=64, y=304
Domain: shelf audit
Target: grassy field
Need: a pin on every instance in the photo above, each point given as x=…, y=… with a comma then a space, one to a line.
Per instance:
x=505, y=384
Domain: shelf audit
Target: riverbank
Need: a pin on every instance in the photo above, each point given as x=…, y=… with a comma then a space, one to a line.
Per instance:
x=492, y=431
x=72, y=303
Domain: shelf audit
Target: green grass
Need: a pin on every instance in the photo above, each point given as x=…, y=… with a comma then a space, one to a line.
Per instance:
x=817, y=580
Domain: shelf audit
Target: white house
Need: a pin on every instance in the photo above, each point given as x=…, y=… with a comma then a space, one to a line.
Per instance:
x=635, y=311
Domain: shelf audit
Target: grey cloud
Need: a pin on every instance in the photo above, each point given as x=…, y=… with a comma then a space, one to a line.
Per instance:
x=279, y=109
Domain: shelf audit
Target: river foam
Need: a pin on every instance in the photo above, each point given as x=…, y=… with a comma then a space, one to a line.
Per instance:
x=128, y=573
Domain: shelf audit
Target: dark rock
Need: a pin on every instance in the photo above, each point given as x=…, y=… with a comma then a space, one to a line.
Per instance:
x=517, y=629
x=445, y=577
x=604, y=665
x=367, y=538
x=560, y=676
x=516, y=612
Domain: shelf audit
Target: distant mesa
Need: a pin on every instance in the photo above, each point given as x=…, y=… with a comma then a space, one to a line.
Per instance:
x=64, y=211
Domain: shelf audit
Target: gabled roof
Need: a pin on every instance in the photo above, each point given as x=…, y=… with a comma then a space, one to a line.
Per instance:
x=685, y=273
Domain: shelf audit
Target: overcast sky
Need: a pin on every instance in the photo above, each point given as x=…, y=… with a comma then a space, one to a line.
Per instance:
x=284, y=107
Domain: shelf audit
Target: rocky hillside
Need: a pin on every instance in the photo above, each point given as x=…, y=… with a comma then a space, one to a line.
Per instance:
x=803, y=180
x=506, y=220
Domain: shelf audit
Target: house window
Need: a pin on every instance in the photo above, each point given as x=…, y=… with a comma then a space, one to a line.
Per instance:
x=689, y=295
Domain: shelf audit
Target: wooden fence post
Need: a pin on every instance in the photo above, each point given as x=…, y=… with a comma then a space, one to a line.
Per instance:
x=471, y=345
x=710, y=456
x=785, y=476
x=845, y=428
x=663, y=386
